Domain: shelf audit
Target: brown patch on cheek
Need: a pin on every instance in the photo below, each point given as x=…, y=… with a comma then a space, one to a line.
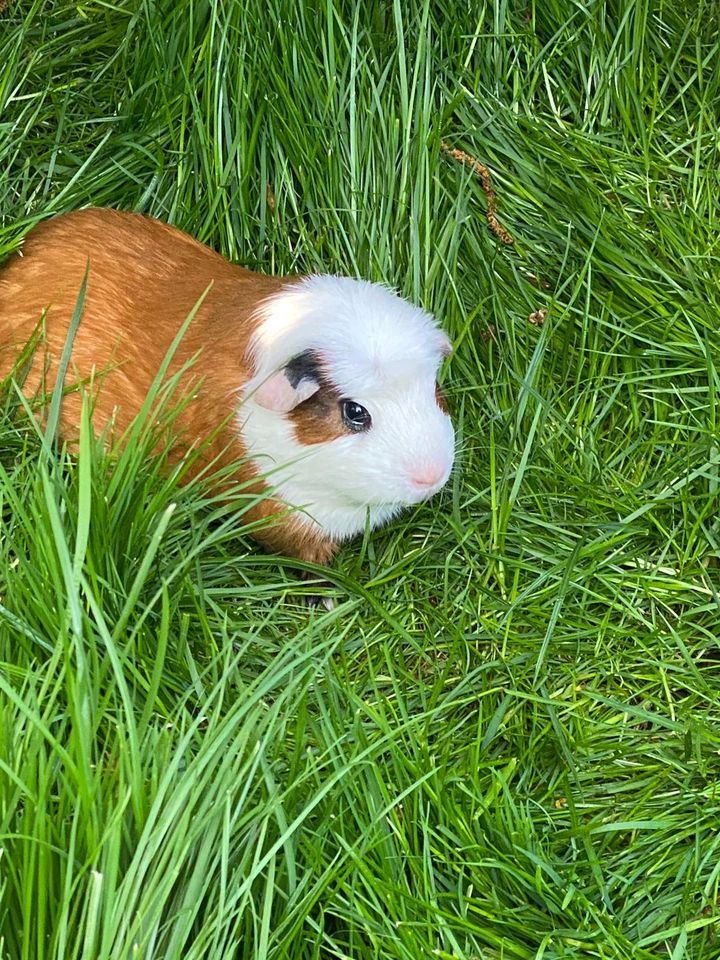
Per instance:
x=440, y=399
x=318, y=419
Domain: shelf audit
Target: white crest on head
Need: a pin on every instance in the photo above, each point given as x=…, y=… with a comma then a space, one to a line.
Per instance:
x=377, y=350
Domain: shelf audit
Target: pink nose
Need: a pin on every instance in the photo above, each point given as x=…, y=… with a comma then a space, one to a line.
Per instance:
x=428, y=477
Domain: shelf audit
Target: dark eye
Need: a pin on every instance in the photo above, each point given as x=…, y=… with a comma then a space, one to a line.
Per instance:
x=354, y=416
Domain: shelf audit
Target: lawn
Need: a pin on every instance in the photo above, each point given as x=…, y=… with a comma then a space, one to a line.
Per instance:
x=504, y=741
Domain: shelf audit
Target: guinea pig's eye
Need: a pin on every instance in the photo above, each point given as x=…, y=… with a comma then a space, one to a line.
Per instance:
x=354, y=416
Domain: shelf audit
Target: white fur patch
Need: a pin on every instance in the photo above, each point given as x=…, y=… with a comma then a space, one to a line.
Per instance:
x=379, y=351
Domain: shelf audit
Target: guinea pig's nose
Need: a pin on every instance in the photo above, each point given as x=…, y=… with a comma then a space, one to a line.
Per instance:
x=427, y=477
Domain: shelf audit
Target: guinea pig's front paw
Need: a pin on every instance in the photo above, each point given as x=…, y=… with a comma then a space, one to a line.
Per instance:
x=314, y=601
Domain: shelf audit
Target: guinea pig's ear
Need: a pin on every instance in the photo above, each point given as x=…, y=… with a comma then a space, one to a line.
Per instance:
x=289, y=387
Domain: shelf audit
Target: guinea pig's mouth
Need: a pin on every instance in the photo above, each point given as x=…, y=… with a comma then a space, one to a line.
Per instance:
x=412, y=496
x=415, y=498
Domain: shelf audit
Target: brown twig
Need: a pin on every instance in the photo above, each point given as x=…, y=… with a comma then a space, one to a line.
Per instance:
x=483, y=175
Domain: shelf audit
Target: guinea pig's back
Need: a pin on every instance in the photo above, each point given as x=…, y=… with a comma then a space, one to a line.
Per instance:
x=144, y=279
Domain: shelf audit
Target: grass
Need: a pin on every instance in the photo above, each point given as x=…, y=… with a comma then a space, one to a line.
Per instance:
x=504, y=741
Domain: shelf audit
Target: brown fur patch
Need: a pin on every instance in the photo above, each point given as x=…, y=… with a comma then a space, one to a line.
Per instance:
x=318, y=419
x=291, y=537
x=145, y=278
x=440, y=399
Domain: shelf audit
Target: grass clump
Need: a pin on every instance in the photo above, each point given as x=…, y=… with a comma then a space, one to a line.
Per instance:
x=504, y=741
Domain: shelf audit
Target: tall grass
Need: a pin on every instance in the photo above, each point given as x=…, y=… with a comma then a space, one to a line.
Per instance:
x=503, y=743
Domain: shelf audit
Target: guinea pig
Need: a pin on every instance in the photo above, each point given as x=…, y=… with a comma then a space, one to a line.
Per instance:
x=320, y=391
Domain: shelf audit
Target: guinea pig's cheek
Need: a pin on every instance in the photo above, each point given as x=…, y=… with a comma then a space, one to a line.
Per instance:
x=318, y=420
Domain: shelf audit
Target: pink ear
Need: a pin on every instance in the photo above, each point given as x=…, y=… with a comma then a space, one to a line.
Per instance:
x=278, y=394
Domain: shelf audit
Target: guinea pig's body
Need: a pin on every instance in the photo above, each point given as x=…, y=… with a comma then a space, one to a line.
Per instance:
x=326, y=384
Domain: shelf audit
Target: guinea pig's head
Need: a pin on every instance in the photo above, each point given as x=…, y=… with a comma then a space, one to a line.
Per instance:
x=343, y=410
